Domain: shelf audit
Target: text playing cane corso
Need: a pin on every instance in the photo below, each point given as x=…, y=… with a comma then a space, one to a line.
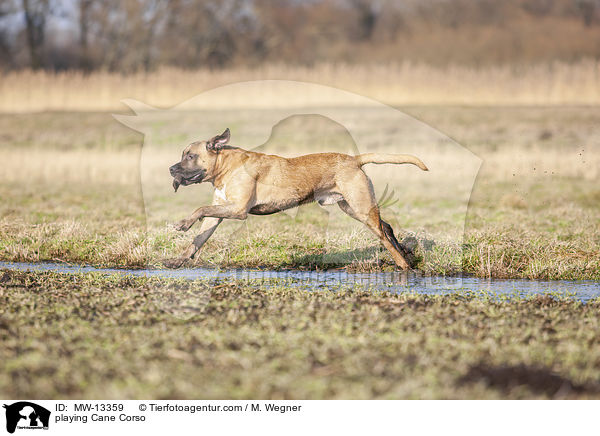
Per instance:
x=247, y=182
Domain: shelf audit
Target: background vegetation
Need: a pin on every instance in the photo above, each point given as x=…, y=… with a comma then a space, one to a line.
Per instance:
x=400, y=84
x=141, y=35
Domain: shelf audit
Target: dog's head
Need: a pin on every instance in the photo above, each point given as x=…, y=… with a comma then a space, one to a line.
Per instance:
x=198, y=161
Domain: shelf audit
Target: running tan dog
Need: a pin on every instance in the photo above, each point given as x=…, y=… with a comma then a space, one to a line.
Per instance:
x=259, y=184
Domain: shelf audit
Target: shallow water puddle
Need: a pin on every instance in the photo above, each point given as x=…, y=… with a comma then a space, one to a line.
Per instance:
x=395, y=282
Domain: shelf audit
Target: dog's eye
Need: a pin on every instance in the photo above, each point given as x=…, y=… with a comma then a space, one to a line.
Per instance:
x=190, y=156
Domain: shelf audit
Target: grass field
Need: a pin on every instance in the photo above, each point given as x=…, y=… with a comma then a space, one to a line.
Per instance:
x=550, y=83
x=71, y=192
x=93, y=336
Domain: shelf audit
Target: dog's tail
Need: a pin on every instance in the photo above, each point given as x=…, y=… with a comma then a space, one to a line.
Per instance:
x=382, y=158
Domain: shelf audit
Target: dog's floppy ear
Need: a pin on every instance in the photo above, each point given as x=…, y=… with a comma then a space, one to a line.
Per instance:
x=217, y=143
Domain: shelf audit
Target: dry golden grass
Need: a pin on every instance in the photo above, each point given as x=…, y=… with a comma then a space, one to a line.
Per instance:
x=394, y=84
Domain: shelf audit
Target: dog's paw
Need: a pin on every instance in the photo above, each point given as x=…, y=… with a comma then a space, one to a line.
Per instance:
x=174, y=263
x=184, y=225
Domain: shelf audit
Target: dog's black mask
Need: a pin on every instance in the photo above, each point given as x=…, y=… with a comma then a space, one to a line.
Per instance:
x=184, y=177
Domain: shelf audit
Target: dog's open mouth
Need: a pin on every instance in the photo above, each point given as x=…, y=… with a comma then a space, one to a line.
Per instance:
x=181, y=180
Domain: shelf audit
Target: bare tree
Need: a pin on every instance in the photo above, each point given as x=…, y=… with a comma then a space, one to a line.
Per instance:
x=36, y=13
x=587, y=9
x=368, y=12
x=85, y=7
x=7, y=8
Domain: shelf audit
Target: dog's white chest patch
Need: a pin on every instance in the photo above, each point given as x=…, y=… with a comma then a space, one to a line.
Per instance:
x=220, y=193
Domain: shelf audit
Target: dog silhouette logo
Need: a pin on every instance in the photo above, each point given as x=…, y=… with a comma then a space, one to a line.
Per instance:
x=26, y=415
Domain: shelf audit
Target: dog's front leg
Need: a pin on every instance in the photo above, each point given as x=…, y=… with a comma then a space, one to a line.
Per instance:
x=207, y=228
x=186, y=224
x=228, y=211
x=214, y=215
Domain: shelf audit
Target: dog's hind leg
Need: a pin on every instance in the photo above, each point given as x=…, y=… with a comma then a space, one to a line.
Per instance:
x=207, y=228
x=382, y=230
x=407, y=253
x=359, y=202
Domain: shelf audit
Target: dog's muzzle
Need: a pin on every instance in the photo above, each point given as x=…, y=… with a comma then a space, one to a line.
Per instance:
x=183, y=177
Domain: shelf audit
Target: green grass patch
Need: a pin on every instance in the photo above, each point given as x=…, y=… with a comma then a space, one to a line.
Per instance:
x=114, y=336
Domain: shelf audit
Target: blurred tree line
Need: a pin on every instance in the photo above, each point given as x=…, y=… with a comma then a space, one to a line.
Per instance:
x=134, y=35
